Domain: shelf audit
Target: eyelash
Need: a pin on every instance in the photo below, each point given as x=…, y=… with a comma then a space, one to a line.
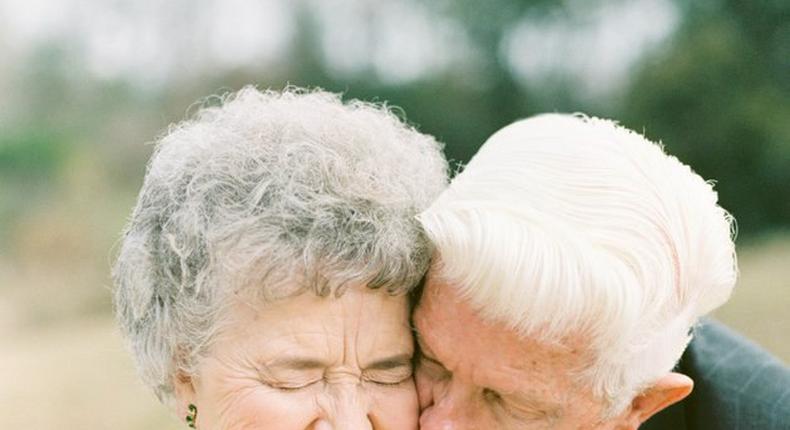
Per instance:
x=496, y=399
x=492, y=396
x=287, y=388
x=389, y=384
x=386, y=384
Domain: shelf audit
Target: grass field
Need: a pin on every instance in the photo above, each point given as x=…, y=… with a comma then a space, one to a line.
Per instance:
x=68, y=369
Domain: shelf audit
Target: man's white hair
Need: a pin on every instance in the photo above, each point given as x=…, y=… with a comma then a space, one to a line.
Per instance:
x=566, y=225
x=272, y=194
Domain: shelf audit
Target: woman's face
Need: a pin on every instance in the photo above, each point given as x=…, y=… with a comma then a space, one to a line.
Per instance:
x=309, y=363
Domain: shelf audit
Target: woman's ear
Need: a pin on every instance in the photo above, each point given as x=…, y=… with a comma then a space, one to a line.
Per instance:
x=667, y=391
x=184, y=390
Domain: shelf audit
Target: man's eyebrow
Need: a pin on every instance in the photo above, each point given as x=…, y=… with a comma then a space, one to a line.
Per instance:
x=395, y=361
x=547, y=409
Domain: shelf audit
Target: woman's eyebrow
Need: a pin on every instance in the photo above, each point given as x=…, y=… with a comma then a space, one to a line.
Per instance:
x=395, y=361
x=307, y=363
x=297, y=363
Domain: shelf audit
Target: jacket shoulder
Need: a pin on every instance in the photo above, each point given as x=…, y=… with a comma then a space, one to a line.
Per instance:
x=738, y=385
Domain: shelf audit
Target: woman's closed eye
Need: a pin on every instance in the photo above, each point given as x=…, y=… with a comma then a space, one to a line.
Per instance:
x=394, y=376
x=292, y=373
x=393, y=370
x=293, y=386
x=292, y=382
x=292, y=379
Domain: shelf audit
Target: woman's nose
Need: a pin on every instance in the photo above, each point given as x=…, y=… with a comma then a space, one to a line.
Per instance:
x=324, y=424
x=349, y=411
x=352, y=417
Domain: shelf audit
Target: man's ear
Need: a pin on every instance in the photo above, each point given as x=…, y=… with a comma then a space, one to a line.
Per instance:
x=184, y=391
x=667, y=391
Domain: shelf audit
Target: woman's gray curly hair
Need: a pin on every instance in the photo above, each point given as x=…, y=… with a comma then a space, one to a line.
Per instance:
x=273, y=193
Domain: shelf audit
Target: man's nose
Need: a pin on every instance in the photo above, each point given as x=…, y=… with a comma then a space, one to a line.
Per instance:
x=447, y=409
x=434, y=418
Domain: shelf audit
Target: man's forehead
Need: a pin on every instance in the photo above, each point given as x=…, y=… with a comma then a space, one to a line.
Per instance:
x=456, y=335
x=443, y=303
x=441, y=296
x=446, y=323
x=487, y=355
x=440, y=306
x=443, y=309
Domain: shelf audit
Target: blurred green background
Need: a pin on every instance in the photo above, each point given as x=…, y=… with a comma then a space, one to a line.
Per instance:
x=84, y=84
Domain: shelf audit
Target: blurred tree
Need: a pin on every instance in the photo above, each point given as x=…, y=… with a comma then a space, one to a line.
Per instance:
x=718, y=96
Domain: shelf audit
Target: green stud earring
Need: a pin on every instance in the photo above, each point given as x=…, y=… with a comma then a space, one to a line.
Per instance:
x=192, y=415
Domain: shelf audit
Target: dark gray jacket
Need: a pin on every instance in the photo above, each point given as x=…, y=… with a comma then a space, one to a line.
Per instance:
x=737, y=385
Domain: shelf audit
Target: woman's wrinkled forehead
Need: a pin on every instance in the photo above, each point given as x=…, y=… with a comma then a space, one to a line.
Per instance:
x=360, y=322
x=291, y=278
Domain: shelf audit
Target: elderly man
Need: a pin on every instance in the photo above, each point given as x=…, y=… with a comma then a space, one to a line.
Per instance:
x=574, y=259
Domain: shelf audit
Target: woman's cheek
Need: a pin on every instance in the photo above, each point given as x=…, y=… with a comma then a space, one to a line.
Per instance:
x=268, y=408
x=395, y=406
x=392, y=407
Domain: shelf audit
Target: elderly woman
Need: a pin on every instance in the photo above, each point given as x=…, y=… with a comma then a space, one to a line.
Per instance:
x=263, y=279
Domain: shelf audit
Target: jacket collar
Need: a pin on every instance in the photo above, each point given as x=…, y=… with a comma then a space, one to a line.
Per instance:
x=671, y=418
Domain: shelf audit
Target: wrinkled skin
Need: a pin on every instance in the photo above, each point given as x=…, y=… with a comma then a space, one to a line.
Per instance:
x=475, y=374
x=308, y=363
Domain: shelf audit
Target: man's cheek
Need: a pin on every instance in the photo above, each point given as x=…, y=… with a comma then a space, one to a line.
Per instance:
x=424, y=388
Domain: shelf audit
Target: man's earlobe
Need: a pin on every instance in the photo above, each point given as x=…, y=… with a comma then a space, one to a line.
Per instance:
x=667, y=391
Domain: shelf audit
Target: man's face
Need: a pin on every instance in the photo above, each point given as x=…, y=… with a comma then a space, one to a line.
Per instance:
x=474, y=374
